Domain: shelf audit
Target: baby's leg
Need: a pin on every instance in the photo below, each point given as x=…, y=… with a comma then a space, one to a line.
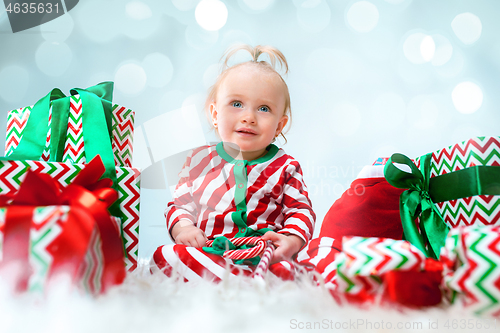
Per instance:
x=194, y=264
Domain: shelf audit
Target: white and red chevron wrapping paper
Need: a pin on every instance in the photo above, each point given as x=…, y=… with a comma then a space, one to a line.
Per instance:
x=12, y=174
x=364, y=260
x=471, y=258
x=122, y=131
x=49, y=222
x=475, y=210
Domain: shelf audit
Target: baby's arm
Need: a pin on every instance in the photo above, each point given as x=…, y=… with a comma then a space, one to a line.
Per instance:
x=287, y=245
x=185, y=232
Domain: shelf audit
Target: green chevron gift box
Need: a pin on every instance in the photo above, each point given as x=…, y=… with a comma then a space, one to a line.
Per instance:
x=59, y=133
x=471, y=258
x=455, y=186
x=120, y=122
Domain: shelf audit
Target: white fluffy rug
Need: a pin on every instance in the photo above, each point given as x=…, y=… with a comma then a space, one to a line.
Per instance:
x=155, y=303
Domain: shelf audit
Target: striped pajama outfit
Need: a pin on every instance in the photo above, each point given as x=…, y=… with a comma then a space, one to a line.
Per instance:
x=235, y=198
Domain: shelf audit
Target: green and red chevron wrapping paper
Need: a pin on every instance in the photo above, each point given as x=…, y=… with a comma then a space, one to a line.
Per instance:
x=363, y=261
x=475, y=210
x=48, y=224
x=12, y=174
x=122, y=131
x=471, y=258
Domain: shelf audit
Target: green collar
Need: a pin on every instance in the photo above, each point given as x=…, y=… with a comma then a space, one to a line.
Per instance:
x=271, y=152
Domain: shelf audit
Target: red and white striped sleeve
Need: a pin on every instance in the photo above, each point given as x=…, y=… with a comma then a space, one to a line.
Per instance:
x=299, y=217
x=182, y=205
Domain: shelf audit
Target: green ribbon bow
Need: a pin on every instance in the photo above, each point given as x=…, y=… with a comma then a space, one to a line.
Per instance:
x=97, y=128
x=423, y=192
x=221, y=244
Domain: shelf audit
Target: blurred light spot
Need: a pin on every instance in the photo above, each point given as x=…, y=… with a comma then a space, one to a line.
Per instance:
x=138, y=10
x=467, y=27
x=257, y=5
x=362, y=16
x=57, y=30
x=141, y=158
x=14, y=82
x=95, y=78
x=412, y=47
x=467, y=97
x=98, y=25
x=422, y=112
x=159, y=69
x=140, y=22
x=211, y=15
x=417, y=75
x=236, y=37
x=210, y=75
x=184, y=5
x=174, y=132
x=336, y=68
x=200, y=39
x=171, y=100
x=379, y=45
x=306, y=3
x=453, y=67
x=388, y=111
x=345, y=119
x=53, y=59
x=314, y=16
x=443, y=50
x=427, y=48
x=130, y=78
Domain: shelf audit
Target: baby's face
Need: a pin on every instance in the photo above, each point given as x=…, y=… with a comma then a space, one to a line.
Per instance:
x=249, y=110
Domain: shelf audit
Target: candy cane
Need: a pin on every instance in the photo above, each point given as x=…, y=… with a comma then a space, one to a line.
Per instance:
x=261, y=248
x=265, y=259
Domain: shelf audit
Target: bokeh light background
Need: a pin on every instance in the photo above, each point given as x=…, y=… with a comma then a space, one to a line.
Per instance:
x=367, y=78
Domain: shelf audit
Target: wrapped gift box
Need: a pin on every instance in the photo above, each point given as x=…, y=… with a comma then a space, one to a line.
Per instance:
x=458, y=185
x=473, y=210
x=50, y=224
x=122, y=133
x=60, y=133
x=471, y=258
x=12, y=174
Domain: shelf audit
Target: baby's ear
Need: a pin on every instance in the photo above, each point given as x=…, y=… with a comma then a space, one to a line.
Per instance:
x=213, y=113
x=282, y=123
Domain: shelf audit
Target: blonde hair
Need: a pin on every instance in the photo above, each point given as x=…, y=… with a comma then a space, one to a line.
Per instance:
x=275, y=57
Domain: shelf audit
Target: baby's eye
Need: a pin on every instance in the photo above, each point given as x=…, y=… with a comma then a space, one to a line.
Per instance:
x=237, y=104
x=264, y=109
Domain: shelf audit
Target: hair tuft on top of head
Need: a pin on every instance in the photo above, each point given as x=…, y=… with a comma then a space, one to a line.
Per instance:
x=275, y=56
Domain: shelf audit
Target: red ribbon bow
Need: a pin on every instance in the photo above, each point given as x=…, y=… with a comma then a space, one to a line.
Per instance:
x=89, y=199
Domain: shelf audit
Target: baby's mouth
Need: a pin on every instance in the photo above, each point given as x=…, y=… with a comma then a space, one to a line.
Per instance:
x=246, y=131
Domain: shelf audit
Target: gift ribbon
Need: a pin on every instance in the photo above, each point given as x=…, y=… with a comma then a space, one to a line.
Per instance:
x=89, y=199
x=423, y=191
x=97, y=128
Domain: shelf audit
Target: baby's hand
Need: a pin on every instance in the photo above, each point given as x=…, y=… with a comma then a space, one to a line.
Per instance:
x=286, y=245
x=188, y=234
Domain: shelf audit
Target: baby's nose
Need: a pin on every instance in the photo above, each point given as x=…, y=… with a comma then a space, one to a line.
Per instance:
x=248, y=116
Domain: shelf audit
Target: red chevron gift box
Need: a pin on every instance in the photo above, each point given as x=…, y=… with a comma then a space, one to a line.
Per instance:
x=50, y=133
x=12, y=173
x=371, y=268
x=454, y=186
x=48, y=231
x=471, y=258
x=74, y=110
